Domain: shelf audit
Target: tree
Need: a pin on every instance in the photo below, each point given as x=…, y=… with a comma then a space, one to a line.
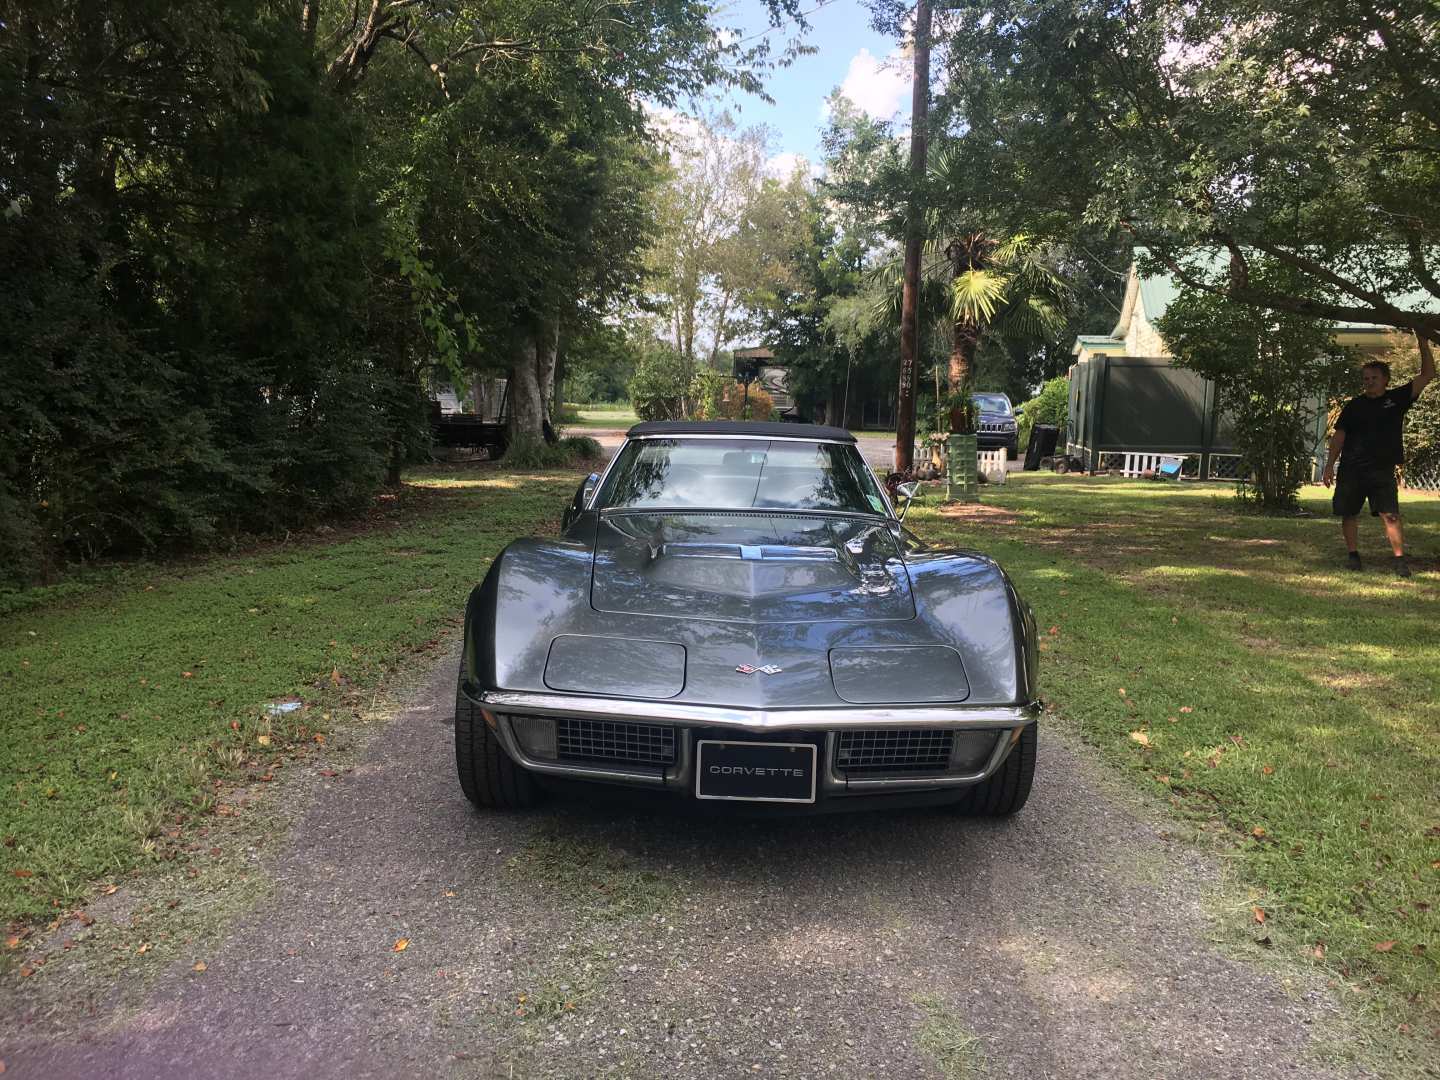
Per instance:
x=1303, y=136
x=698, y=254
x=1274, y=375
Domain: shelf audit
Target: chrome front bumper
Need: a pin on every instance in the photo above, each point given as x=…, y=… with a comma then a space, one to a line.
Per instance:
x=497, y=705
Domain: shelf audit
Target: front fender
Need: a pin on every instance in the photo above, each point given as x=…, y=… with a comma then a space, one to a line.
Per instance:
x=531, y=590
x=967, y=601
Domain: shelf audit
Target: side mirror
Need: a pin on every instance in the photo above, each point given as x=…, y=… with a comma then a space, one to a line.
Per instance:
x=908, y=491
x=581, y=502
x=1019, y=410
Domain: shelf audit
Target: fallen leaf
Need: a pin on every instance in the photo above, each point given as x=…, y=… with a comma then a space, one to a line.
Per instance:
x=13, y=941
x=84, y=919
x=26, y=972
x=263, y=740
x=109, y=889
x=1257, y=832
x=23, y=873
x=335, y=676
x=199, y=966
x=1054, y=630
x=1173, y=719
x=1140, y=737
x=1259, y=913
x=187, y=674
x=234, y=725
x=1186, y=709
x=1319, y=951
x=1268, y=769
x=1384, y=946
x=143, y=948
x=320, y=738
x=400, y=945
x=1122, y=691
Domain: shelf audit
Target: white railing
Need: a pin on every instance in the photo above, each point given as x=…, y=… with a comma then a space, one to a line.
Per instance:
x=1130, y=464
x=991, y=464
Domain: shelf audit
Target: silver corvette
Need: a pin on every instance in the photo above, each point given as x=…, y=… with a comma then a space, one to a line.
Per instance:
x=734, y=613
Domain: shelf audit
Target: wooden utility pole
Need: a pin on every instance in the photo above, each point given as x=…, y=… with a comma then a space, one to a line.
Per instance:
x=914, y=240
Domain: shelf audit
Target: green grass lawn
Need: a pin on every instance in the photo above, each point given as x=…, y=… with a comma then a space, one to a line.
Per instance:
x=123, y=702
x=603, y=417
x=1231, y=665
x=1223, y=661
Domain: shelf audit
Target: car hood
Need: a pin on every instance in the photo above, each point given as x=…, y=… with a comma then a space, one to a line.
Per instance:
x=750, y=567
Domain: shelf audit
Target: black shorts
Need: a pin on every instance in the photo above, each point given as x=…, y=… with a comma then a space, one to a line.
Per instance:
x=1353, y=487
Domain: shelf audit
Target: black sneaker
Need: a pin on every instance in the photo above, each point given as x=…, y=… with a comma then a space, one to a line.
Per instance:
x=1402, y=568
x=1352, y=561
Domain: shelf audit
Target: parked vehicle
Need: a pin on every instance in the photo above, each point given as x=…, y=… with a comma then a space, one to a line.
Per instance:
x=734, y=612
x=995, y=424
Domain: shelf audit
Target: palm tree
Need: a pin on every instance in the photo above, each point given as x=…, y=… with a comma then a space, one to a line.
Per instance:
x=981, y=284
x=1003, y=285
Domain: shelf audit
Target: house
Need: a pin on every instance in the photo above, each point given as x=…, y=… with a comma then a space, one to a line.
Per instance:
x=1129, y=402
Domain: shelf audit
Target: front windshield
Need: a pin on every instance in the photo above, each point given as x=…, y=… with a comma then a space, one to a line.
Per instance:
x=736, y=474
x=992, y=403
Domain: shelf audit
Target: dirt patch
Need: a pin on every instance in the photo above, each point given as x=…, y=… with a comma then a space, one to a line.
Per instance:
x=980, y=512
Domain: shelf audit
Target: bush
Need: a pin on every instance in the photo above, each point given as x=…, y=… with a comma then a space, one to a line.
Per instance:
x=660, y=388
x=707, y=392
x=1050, y=406
x=582, y=448
x=1272, y=372
x=733, y=403
x=530, y=452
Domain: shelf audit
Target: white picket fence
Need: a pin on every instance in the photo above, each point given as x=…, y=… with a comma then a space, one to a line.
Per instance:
x=991, y=464
x=1140, y=464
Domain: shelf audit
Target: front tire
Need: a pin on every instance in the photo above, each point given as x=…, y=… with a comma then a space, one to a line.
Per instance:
x=1009, y=788
x=488, y=776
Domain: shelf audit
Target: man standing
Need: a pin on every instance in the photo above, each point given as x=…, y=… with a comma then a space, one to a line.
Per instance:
x=1368, y=442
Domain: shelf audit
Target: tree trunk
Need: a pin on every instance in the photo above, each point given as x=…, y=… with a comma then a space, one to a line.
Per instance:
x=914, y=239
x=962, y=363
x=719, y=327
x=547, y=348
x=527, y=417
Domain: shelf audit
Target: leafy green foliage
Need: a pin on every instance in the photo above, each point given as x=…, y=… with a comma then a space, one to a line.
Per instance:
x=1303, y=135
x=183, y=355
x=1274, y=373
x=661, y=386
x=529, y=452
x=1050, y=406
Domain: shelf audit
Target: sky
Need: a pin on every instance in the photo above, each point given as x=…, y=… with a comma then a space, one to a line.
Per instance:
x=865, y=65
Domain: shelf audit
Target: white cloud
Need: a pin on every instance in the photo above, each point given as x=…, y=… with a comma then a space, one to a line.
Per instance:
x=783, y=166
x=878, y=86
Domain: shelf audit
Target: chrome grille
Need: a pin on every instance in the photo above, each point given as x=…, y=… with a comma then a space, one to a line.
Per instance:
x=615, y=740
x=891, y=751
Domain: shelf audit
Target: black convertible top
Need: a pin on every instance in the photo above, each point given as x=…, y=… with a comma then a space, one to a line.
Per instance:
x=741, y=427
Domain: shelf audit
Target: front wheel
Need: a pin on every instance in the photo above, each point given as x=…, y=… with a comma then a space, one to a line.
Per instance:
x=1012, y=450
x=487, y=775
x=1009, y=788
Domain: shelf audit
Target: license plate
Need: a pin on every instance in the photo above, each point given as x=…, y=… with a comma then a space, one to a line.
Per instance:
x=755, y=771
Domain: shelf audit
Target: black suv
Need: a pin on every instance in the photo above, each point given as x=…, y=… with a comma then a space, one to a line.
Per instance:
x=995, y=424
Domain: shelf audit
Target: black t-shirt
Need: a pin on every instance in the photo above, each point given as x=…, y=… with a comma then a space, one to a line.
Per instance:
x=1372, y=429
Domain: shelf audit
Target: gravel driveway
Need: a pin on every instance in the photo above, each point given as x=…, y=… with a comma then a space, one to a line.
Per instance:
x=590, y=940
